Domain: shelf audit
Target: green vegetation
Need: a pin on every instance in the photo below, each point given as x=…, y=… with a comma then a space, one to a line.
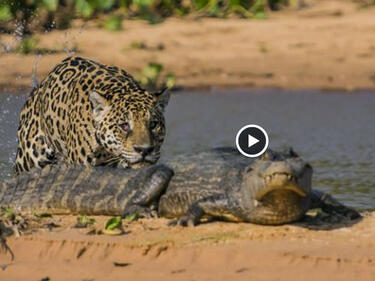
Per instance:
x=84, y=221
x=113, y=23
x=150, y=77
x=131, y=217
x=113, y=223
x=138, y=45
x=48, y=14
x=27, y=45
x=142, y=45
x=170, y=80
x=42, y=215
x=7, y=212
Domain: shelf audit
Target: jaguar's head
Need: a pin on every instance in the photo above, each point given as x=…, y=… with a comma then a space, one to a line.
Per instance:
x=130, y=128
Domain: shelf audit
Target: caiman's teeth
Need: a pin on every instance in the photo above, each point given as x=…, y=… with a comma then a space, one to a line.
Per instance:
x=290, y=177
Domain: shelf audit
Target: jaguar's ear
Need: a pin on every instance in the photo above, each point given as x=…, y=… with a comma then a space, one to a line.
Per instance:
x=162, y=98
x=99, y=105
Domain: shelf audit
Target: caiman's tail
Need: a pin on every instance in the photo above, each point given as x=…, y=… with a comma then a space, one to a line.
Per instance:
x=83, y=190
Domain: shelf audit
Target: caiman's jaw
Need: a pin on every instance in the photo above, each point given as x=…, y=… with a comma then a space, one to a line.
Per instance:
x=281, y=181
x=281, y=189
x=283, y=198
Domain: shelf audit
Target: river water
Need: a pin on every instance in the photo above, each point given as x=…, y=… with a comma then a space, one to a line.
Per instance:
x=335, y=132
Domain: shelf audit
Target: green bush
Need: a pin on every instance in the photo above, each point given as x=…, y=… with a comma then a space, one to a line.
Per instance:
x=60, y=12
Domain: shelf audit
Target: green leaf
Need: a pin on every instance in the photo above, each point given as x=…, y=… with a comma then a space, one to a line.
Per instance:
x=51, y=5
x=27, y=45
x=152, y=70
x=260, y=16
x=131, y=217
x=150, y=74
x=258, y=7
x=113, y=23
x=104, y=5
x=170, y=80
x=84, y=8
x=200, y=4
x=113, y=223
x=5, y=13
x=7, y=212
x=84, y=220
x=143, y=3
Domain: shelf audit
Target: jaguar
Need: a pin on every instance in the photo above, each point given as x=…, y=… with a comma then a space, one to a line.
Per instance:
x=93, y=114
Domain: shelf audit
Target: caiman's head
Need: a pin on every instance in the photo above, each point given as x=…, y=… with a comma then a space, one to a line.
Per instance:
x=279, y=183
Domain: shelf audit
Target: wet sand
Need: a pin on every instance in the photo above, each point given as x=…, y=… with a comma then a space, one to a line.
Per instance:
x=328, y=45
x=150, y=250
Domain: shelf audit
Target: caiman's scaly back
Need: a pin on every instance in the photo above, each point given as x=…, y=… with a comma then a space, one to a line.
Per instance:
x=58, y=189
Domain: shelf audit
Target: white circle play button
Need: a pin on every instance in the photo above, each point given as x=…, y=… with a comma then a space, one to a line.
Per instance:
x=252, y=140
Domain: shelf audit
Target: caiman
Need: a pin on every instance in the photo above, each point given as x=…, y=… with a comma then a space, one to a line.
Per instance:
x=220, y=183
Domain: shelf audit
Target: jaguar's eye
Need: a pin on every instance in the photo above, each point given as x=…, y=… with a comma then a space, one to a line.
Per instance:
x=125, y=126
x=153, y=125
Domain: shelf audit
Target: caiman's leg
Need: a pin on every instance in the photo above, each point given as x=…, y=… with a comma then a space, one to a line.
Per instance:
x=143, y=200
x=214, y=206
x=331, y=206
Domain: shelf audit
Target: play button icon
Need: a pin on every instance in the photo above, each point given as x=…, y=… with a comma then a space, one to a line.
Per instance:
x=252, y=140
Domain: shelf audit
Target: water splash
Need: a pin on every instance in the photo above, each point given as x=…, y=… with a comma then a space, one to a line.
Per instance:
x=34, y=75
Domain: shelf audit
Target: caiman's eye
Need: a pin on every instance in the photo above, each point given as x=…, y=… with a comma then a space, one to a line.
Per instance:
x=125, y=126
x=248, y=169
x=153, y=124
x=266, y=156
x=292, y=153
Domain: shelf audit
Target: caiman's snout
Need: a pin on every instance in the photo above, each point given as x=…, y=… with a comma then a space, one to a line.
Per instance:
x=295, y=177
x=283, y=184
x=280, y=181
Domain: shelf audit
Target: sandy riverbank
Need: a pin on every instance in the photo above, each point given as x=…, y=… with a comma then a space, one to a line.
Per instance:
x=149, y=250
x=329, y=45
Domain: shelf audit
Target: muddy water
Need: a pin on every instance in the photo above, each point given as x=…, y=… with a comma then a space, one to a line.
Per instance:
x=334, y=131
